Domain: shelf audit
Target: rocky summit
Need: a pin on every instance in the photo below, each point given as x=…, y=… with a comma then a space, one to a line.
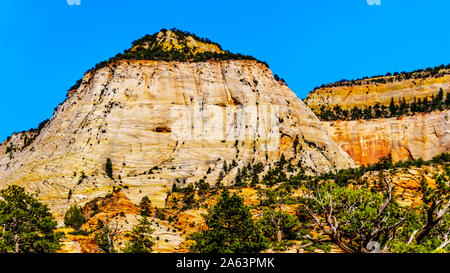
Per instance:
x=173, y=109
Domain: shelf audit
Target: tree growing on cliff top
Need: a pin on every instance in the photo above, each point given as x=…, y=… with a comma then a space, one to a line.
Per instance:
x=392, y=108
x=27, y=226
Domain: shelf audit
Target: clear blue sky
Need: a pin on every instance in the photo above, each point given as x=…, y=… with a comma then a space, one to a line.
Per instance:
x=47, y=45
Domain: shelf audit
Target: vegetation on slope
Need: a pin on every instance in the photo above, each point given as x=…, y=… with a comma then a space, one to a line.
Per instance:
x=341, y=210
x=151, y=47
x=27, y=139
x=282, y=208
x=231, y=228
x=27, y=226
x=435, y=72
x=402, y=108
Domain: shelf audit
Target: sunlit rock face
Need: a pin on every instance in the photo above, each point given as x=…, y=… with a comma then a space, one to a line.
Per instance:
x=368, y=94
x=419, y=136
x=162, y=123
x=422, y=135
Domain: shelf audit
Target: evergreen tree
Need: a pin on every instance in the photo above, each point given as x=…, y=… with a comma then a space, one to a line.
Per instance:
x=108, y=168
x=174, y=187
x=377, y=110
x=403, y=107
x=282, y=161
x=26, y=224
x=219, y=180
x=255, y=180
x=426, y=106
x=278, y=225
x=141, y=240
x=414, y=106
x=225, y=167
x=238, y=179
x=74, y=217
x=356, y=113
x=146, y=206
x=231, y=229
x=384, y=112
x=373, y=217
x=440, y=96
x=107, y=236
x=392, y=108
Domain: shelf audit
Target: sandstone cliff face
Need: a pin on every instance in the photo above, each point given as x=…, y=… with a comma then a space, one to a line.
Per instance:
x=17, y=142
x=420, y=136
x=125, y=112
x=369, y=94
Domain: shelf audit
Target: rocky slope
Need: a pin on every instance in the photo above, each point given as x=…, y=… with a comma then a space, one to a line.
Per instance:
x=141, y=115
x=173, y=233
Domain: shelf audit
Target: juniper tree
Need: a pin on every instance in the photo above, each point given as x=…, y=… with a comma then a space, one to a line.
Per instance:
x=278, y=225
x=352, y=218
x=219, y=180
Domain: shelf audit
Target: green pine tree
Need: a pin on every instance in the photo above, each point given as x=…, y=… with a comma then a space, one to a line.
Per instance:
x=74, y=217
x=108, y=168
x=231, y=229
x=146, y=206
x=219, y=180
x=141, y=240
x=440, y=96
x=392, y=108
x=26, y=224
x=225, y=167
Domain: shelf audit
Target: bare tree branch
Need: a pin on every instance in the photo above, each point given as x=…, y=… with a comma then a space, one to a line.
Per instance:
x=388, y=198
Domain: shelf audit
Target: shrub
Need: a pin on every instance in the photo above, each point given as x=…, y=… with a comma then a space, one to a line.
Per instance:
x=231, y=229
x=108, y=168
x=74, y=217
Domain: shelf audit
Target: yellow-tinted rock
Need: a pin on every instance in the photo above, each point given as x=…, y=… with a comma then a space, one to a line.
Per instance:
x=125, y=112
x=369, y=94
x=419, y=136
